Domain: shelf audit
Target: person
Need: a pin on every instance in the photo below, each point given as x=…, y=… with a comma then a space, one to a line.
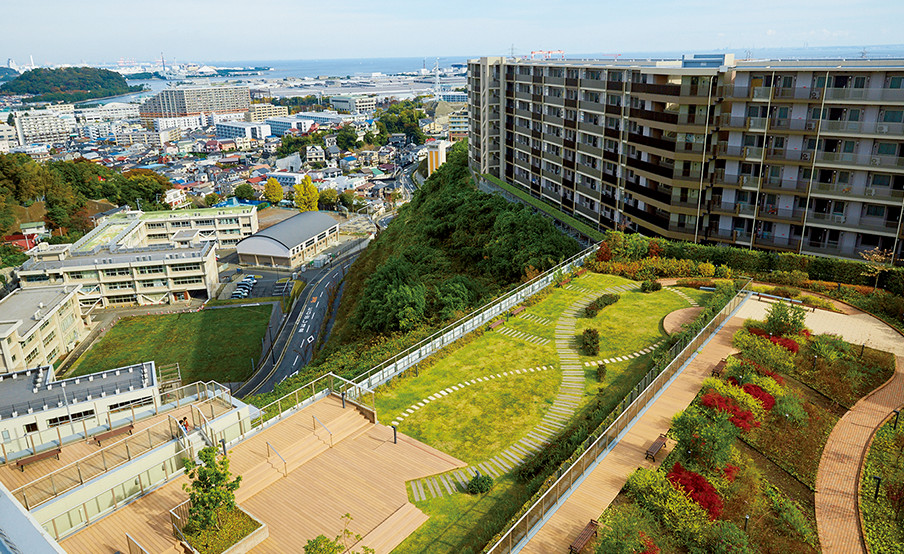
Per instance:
x=185, y=424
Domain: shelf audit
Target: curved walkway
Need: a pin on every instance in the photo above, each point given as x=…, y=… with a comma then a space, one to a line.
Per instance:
x=837, y=480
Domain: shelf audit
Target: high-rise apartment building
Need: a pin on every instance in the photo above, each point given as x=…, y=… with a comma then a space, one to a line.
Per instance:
x=792, y=155
x=192, y=101
x=262, y=112
x=44, y=127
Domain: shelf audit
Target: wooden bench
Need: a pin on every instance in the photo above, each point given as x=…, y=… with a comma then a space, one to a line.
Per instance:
x=113, y=433
x=517, y=311
x=38, y=457
x=717, y=371
x=496, y=323
x=588, y=533
x=654, y=449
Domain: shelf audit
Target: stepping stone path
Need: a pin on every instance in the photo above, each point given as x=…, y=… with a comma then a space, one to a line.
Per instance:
x=537, y=319
x=682, y=294
x=556, y=419
x=626, y=357
x=527, y=337
x=582, y=290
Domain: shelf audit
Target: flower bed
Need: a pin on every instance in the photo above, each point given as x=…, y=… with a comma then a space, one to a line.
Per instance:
x=238, y=533
x=883, y=528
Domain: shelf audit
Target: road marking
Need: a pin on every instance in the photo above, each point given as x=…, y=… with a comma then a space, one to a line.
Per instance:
x=295, y=362
x=308, y=329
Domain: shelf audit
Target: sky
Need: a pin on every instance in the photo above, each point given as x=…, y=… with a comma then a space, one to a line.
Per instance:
x=103, y=31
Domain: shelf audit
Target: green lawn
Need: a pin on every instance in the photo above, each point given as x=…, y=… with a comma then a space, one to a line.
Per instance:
x=632, y=323
x=464, y=522
x=208, y=345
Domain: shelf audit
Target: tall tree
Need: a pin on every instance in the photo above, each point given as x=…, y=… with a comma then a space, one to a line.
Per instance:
x=211, y=199
x=306, y=195
x=329, y=197
x=273, y=191
x=244, y=192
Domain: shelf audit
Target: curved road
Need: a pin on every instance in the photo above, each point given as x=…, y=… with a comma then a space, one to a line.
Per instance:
x=295, y=344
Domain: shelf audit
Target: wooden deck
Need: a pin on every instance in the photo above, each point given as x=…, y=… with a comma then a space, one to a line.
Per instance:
x=602, y=484
x=12, y=478
x=364, y=474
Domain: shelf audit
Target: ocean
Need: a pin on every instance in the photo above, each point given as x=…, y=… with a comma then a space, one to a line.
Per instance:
x=281, y=69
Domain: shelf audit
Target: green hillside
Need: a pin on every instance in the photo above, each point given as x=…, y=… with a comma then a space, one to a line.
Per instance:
x=69, y=84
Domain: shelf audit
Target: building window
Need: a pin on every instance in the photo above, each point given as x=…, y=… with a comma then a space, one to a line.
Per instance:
x=119, y=272
x=185, y=267
x=187, y=281
x=872, y=210
x=147, y=270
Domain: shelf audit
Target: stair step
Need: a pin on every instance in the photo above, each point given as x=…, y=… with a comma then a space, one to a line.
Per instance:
x=394, y=529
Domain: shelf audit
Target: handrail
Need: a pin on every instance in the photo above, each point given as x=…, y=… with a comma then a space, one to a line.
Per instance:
x=652, y=382
x=206, y=429
x=285, y=465
x=177, y=528
x=131, y=481
x=325, y=427
x=133, y=543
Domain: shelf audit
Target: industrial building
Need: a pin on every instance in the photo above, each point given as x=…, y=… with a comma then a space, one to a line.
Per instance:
x=290, y=242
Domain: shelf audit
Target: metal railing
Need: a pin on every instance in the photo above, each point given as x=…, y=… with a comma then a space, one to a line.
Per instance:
x=76, y=473
x=110, y=499
x=314, y=424
x=285, y=465
x=178, y=519
x=617, y=422
x=134, y=547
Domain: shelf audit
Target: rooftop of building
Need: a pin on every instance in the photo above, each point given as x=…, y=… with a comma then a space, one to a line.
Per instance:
x=26, y=308
x=119, y=256
x=36, y=389
x=296, y=230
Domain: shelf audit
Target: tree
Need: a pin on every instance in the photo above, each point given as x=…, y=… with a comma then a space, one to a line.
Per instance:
x=784, y=319
x=347, y=199
x=877, y=261
x=212, y=489
x=347, y=137
x=211, y=199
x=273, y=191
x=244, y=192
x=329, y=197
x=306, y=195
x=706, y=441
x=342, y=543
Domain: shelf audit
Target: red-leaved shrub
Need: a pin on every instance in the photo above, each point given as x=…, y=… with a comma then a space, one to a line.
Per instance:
x=756, y=391
x=787, y=344
x=763, y=370
x=742, y=419
x=649, y=547
x=604, y=254
x=698, y=488
x=730, y=472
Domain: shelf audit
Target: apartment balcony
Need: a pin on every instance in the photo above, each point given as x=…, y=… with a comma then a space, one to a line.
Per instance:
x=840, y=221
x=860, y=94
x=589, y=127
x=687, y=230
x=785, y=186
x=827, y=248
x=663, y=90
x=587, y=191
x=648, y=193
x=856, y=160
x=595, y=84
x=587, y=211
x=733, y=208
x=770, y=212
x=732, y=236
x=670, y=118
x=769, y=240
x=658, y=143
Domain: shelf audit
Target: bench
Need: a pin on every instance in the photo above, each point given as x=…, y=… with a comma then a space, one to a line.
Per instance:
x=588, y=533
x=517, y=311
x=496, y=323
x=654, y=449
x=38, y=457
x=113, y=433
x=717, y=371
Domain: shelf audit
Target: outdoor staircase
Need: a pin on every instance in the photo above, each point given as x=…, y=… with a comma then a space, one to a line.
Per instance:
x=394, y=529
x=350, y=423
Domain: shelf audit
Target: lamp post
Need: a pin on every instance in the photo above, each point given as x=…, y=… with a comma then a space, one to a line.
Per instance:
x=878, y=482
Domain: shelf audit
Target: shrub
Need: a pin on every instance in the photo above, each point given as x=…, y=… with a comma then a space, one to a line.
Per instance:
x=698, y=488
x=678, y=513
x=792, y=278
x=695, y=283
x=744, y=401
x=601, y=372
x=792, y=407
x=764, y=352
x=600, y=303
x=742, y=419
x=784, y=319
x=723, y=272
x=480, y=484
x=829, y=347
x=725, y=538
x=591, y=310
x=650, y=286
x=785, y=292
x=766, y=399
x=590, y=342
x=706, y=270
x=790, y=517
x=707, y=442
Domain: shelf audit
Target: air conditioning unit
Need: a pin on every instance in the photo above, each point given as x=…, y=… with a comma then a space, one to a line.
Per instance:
x=811, y=125
x=814, y=94
x=805, y=156
x=874, y=161
x=881, y=128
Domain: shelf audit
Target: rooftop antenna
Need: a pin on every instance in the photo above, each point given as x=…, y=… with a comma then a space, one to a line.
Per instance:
x=163, y=62
x=512, y=50
x=436, y=77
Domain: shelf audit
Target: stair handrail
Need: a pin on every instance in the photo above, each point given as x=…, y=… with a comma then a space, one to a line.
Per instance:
x=325, y=427
x=285, y=465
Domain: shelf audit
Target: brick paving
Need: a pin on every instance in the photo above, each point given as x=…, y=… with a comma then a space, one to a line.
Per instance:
x=837, y=516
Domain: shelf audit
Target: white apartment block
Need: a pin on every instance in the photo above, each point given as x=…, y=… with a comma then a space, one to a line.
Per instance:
x=184, y=101
x=280, y=125
x=185, y=123
x=38, y=325
x=108, y=112
x=287, y=179
x=354, y=104
x=44, y=127
x=242, y=129
x=224, y=227
x=148, y=138
x=263, y=112
x=328, y=117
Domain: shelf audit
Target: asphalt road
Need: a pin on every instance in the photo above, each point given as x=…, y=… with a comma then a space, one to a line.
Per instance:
x=295, y=344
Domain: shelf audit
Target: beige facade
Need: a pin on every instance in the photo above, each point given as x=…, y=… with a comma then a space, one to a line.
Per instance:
x=801, y=156
x=45, y=127
x=38, y=325
x=354, y=104
x=262, y=112
x=179, y=102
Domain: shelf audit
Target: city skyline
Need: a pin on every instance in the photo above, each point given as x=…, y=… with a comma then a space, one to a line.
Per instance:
x=400, y=30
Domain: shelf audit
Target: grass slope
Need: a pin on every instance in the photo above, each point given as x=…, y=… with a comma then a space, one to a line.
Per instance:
x=208, y=345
